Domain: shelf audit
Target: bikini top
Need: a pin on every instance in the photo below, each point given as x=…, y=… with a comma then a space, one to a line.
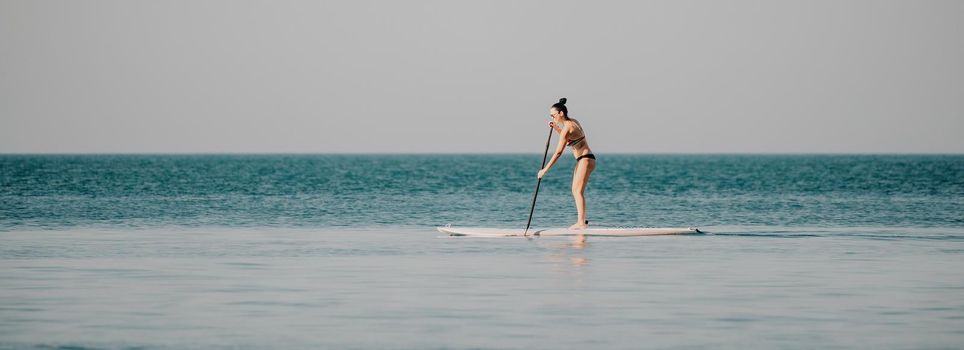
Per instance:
x=571, y=142
x=575, y=142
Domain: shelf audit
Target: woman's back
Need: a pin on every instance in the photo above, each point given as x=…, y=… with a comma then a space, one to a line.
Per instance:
x=577, y=138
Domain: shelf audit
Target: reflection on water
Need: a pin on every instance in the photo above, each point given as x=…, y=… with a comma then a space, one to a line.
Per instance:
x=570, y=252
x=277, y=289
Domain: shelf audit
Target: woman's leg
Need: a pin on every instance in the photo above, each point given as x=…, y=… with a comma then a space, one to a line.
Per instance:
x=580, y=178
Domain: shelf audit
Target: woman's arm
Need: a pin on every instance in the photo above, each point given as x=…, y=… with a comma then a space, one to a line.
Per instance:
x=563, y=136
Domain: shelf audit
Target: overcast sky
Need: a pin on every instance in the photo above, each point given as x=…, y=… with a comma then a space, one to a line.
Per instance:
x=457, y=76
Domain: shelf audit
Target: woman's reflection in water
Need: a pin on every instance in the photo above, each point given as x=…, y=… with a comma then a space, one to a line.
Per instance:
x=570, y=252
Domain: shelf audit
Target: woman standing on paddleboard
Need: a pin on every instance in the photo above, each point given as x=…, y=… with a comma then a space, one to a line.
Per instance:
x=571, y=134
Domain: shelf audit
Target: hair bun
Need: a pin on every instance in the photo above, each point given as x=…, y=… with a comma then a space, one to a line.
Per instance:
x=562, y=100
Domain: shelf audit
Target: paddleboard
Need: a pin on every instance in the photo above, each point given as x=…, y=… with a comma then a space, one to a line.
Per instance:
x=612, y=232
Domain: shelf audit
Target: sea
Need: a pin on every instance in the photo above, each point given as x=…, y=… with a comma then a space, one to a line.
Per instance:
x=341, y=251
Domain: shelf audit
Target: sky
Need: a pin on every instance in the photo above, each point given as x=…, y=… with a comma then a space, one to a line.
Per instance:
x=479, y=76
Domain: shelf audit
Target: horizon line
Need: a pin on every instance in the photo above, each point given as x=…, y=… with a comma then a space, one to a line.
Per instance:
x=473, y=153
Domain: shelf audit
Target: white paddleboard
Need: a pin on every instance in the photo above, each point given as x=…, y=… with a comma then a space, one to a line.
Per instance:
x=614, y=232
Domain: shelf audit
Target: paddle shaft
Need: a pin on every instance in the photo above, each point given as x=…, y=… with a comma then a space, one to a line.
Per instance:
x=539, y=182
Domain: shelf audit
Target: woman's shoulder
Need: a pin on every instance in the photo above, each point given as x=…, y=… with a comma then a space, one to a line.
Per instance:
x=576, y=124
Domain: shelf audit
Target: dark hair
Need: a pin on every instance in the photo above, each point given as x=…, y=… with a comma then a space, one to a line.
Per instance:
x=561, y=106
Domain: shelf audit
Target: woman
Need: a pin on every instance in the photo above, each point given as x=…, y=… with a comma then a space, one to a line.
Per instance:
x=571, y=134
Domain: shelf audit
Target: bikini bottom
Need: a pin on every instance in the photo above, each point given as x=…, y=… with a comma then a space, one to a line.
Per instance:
x=587, y=155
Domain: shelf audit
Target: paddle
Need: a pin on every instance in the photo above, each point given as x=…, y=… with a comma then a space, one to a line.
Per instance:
x=539, y=182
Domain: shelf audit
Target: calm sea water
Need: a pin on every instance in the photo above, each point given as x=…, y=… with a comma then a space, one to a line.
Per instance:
x=339, y=251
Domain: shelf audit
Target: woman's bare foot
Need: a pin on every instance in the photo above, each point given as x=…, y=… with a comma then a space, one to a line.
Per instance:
x=579, y=226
